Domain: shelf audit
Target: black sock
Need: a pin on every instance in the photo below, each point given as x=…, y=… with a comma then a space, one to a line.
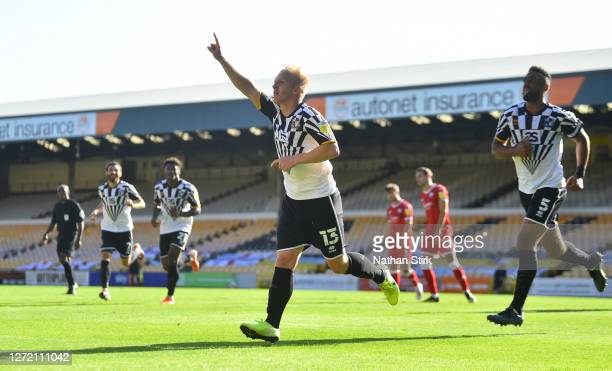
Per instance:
x=105, y=273
x=173, y=276
x=528, y=263
x=360, y=266
x=68, y=273
x=576, y=256
x=279, y=295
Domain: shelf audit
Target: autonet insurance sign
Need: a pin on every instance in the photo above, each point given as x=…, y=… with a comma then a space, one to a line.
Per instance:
x=47, y=127
x=423, y=101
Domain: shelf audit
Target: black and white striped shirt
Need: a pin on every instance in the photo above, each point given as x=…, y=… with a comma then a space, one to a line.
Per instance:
x=116, y=216
x=301, y=131
x=545, y=132
x=182, y=197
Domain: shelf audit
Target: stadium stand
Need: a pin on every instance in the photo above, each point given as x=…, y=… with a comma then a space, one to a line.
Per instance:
x=479, y=184
x=242, y=243
x=232, y=244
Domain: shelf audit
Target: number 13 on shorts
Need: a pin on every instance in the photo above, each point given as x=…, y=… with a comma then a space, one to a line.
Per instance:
x=330, y=236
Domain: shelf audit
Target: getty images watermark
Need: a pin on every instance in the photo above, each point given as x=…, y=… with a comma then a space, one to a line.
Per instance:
x=401, y=248
x=490, y=243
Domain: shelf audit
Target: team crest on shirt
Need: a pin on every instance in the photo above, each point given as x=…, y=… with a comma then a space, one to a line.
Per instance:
x=548, y=123
x=180, y=194
x=294, y=123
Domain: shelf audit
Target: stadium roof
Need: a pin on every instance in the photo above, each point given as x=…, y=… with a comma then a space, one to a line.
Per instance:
x=374, y=79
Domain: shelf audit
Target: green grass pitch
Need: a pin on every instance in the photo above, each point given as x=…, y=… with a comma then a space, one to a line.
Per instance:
x=320, y=330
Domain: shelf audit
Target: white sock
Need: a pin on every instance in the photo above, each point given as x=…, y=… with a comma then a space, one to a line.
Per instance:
x=136, y=252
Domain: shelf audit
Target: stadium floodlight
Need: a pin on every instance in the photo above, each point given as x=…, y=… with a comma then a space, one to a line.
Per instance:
x=113, y=139
x=135, y=139
x=355, y=123
x=445, y=118
x=420, y=120
x=584, y=109
x=336, y=126
x=383, y=123
x=183, y=135
x=233, y=132
x=48, y=145
x=155, y=138
x=53, y=147
x=471, y=116
x=91, y=140
x=495, y=114
x=63, y=142
x=609, y=106
x=256, y=131
x=204, y=134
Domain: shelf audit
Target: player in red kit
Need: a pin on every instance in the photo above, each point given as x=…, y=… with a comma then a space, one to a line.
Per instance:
x=435, y=201
x=400, y=218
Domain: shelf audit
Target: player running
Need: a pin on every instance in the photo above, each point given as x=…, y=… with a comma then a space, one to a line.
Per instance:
x=531, y=132
x=311, y=210
x=435, y=201
x=178, y=202
x=117, y=199
x=68, y=217
x=400, y=219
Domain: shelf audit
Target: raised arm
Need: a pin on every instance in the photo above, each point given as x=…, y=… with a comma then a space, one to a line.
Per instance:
x=243, y=84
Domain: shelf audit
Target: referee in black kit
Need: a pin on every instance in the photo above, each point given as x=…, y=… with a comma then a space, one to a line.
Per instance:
x=311, y=210
x=69, y=219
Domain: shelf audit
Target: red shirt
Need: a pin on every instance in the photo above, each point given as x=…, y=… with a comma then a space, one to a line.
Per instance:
x=399, y=214
x=430, y=200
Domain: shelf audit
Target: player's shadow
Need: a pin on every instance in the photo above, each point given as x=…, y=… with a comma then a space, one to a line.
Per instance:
x=567, y=310
x=250, y=344
x=70, y=304
x=527, y=311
